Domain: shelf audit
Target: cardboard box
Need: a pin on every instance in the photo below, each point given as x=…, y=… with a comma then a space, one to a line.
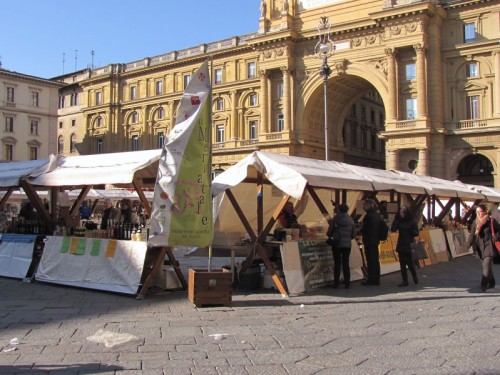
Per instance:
x=210, y=288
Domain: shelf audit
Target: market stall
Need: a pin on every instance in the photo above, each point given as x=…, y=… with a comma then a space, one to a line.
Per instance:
x=120, y=261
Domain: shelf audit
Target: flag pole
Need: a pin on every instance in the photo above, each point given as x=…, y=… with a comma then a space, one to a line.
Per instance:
x=210, y=62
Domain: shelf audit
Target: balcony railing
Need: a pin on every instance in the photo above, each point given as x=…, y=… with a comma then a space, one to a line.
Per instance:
x=407, y=124
x=467, y=124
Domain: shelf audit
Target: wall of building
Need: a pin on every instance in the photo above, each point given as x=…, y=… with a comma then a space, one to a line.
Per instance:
x=28, y=111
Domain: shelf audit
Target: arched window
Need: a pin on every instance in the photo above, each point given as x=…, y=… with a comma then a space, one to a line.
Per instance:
x=134, y=118
x=60, y=144
x=73, y=143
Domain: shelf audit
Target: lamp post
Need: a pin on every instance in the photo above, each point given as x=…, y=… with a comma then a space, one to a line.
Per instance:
x=323, y=50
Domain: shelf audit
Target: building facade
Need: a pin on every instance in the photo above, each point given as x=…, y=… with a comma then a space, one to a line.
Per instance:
x=414, y=86
x=28, y=108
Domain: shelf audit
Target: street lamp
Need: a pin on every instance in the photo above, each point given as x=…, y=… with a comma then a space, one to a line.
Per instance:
x=323, y=50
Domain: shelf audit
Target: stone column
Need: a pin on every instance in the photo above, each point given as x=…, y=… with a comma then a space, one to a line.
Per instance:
x=421, y=82
x=496, y=86
x=234, y=115
x=423, y=161
x=264, y=121
x=286, y=98
x=391, y=109
x=393, y=161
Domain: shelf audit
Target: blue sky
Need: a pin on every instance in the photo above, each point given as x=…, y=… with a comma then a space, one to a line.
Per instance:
x=36, y=33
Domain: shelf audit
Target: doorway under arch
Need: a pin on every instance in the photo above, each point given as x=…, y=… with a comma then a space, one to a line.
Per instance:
x=356, y=115
x=476, y=170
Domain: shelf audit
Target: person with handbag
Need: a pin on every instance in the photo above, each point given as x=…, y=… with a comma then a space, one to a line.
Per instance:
x=343, y=229
x=483, y=234
x=407, y=227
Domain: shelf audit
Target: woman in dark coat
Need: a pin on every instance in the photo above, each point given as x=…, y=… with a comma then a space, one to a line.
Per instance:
x=341, y=252
x=481, y=239
x=408, y=230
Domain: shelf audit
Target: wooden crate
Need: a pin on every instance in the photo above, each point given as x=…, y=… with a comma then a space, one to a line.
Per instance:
x=210, y=288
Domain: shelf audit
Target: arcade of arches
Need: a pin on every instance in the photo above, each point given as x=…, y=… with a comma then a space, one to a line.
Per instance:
x=415, y=86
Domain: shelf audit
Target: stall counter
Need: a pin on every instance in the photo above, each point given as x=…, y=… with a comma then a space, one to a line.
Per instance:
x=95, y=263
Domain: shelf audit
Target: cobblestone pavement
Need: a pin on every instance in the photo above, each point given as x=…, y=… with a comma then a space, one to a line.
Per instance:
x=443, y=325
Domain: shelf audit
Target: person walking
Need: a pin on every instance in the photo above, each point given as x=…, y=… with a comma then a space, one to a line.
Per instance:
x=346, y=228
x=370, y=232
x=407, y=228
x=482, y=241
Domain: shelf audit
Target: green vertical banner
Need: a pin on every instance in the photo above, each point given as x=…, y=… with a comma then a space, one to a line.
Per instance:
x=182, y=203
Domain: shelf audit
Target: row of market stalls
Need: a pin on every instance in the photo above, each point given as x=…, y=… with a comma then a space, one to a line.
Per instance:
x=257, y=188
x=246, y=211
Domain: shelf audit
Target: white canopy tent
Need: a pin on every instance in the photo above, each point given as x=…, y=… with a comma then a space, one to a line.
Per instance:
x=291, y=174
x=99, y=169
x=12, y=172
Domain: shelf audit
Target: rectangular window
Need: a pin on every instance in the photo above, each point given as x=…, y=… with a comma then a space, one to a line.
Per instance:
x=73, y=122
x=34, y=127
x=253, y=129
x=354, y=137
x=33, y=153
x=159, y=87
x=473, y=107
x=472, y=70
x=98, y=98
x=135, y=143
x=218, y=75
x=374, y=142
x=34, y=98
x=9, y=152
x=159, y=114
x=280, y=124
x=161, y=140
x=251, y=70
x=99, y=146
x=469, y=32
x=280, y=90
x=10, y=94
x=9, y=124
x=62, y=101
x=186, y=81
x=219, y=133
x=410, y=71
x=133, y=92
x=60, y=125
x=253, y=99
x=411, y=109
x=74, y=99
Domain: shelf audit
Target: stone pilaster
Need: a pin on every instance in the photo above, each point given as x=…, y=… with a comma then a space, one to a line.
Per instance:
x=421, y=82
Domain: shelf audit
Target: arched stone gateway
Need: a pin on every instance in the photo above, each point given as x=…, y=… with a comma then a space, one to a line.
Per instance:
x=356, y=115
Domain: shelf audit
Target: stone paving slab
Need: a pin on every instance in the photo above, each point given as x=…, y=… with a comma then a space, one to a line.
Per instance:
x=443, y=325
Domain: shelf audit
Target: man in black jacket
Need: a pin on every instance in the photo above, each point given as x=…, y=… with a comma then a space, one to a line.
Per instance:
x=371, y=239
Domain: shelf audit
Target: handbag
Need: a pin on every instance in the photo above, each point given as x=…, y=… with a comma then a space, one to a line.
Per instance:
x=334, y=237
x=418, y=250
x=496, y=244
